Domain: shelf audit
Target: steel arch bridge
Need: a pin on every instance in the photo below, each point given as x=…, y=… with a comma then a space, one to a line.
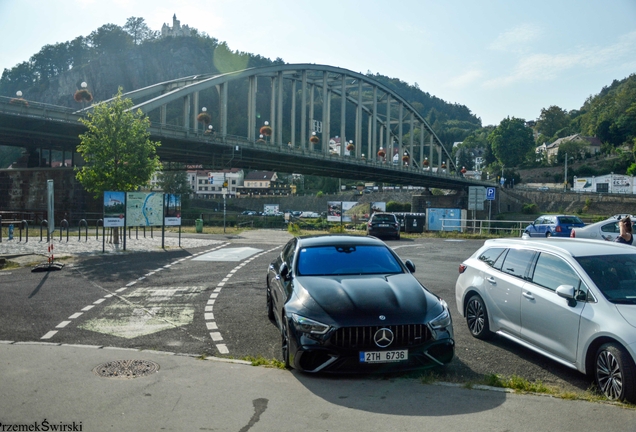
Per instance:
x=382, y=118
x=304, y=104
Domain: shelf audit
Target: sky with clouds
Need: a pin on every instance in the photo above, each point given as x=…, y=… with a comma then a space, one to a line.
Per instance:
x=500, y=58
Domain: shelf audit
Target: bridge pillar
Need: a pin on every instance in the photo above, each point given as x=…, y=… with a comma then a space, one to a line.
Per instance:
x=251, y=108
x=400, y=133
x=223, y=103
x=186, y=112
x=411, y=129
x=311, y=114
x=421, y=143
x=303, y=110
x=374, y=137
x=359, y=122
x=195, y=111
x=272, y=110
x=279, y=115
x=343, y=115
x=389, y=142
x=325, y=113
x=293, y=113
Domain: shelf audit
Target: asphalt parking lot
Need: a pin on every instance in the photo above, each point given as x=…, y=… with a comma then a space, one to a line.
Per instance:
x=239, y=310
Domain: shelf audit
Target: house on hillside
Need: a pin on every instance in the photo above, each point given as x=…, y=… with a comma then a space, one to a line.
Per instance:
x=207, y=184
x=263, y=183
x=592, y=145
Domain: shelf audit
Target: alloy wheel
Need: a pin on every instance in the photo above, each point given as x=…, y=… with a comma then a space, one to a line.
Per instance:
x=609, y=375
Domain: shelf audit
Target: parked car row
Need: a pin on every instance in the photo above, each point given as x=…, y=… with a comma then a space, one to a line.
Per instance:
x=572, y=300
x=349, y=303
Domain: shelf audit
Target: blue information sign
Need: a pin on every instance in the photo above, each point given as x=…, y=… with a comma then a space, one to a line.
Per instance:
x=490, y=193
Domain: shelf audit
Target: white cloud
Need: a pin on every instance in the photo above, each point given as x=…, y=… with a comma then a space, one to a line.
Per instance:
x=517, y=39
x=547, y=67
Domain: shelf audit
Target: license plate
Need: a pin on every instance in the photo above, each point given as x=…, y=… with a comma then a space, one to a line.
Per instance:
x=383, y=356
x=383, y=225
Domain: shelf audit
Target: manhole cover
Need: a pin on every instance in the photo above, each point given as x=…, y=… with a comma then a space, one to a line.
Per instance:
x=126, y=369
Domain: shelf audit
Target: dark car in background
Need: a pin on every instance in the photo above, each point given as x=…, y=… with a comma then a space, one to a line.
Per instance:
x=383, y=225
x=349, y=304
x=553, y=225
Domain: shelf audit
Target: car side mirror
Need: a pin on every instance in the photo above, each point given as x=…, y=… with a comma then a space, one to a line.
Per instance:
x=567, y=292
x=284, y=272
x=410, y=266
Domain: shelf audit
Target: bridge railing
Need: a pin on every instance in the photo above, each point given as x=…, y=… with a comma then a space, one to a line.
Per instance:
x=234, y=140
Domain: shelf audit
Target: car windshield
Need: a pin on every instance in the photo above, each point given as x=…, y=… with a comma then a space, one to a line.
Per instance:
x=346, y=260
x=570, y=220
x=614, y=275
x=383, y=218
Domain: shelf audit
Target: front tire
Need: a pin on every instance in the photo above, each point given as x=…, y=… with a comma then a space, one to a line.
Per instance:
x=270, y=305
x=285, y=342
x=477, y=318
x=615, y=373
x=548, y=234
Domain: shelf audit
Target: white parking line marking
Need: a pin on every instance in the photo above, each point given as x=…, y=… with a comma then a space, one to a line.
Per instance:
x=222, y=349
x=87, y=308
x=98, y=301
x=208, y=316
x=120, y=289
x=211, y=325
x=49, y=335
x=211, y=302
x=63, y=324
x=216, y=336
x=108, y=295
x=209, y=308
x=214, y=295
x=131, y=283
x=75, y=315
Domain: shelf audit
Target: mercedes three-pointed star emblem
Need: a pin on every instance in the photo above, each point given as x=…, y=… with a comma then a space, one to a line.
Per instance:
x=383, y=337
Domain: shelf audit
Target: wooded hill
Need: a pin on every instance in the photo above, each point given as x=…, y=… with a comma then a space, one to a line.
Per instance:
x=133, y=56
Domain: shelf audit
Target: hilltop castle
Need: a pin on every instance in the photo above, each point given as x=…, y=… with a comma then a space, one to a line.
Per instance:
x=176, y=30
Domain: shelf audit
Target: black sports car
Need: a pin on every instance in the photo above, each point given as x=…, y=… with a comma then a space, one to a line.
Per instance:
x=348, y=303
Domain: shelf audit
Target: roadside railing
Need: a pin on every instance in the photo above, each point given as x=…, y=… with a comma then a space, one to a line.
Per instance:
x=504, y=228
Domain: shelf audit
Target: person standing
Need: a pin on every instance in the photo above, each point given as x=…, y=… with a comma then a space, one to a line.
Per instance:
x=626, y=237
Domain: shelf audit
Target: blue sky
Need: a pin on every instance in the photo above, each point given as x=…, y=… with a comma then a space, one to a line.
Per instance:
x=499, y=58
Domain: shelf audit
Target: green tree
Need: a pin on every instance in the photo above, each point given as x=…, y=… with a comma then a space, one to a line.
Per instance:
x=117, y=150
x=552, y=120
x=173, y=179
x=138, y=30
x=512, y=142
x=109, y=39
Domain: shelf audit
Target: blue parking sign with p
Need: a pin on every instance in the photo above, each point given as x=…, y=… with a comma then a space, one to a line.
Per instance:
x=490, y=193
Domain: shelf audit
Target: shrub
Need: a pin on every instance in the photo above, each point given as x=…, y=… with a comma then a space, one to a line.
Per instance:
x=337, y=229
x=293, y=229
x=530, y=208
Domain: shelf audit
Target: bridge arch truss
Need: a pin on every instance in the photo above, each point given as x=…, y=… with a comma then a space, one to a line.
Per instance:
x=298, y=101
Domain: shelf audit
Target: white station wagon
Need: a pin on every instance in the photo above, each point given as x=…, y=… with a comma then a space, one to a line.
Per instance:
x=572, y=300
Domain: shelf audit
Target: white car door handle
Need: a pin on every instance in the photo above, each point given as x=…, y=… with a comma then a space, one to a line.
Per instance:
x=528, y=295
x=491, y=280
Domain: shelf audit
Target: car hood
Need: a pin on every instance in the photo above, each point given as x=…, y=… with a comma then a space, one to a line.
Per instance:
x=628, y=312
x=361, y=300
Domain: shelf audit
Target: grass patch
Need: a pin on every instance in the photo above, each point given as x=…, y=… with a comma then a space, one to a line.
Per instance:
x=9, y=265
x=262, y=361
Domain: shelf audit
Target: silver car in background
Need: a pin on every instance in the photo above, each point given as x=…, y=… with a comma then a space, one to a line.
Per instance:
x=572, y=300
x=607, y=229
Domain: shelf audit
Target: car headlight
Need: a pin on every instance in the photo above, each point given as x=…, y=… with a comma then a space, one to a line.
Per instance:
x=443, y=320
x=307, y=325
